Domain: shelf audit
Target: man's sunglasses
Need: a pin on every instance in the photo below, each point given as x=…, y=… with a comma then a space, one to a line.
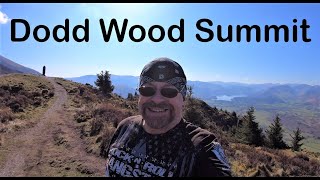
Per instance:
x=150, y=91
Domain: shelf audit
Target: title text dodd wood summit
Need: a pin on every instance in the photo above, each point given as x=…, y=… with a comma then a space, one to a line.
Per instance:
x=156, y=33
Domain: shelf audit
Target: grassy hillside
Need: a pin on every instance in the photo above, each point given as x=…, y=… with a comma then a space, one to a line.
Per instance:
x=96, y=116
x=22, y=98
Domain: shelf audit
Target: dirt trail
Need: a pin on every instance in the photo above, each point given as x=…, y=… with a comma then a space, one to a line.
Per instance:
x=52, y=147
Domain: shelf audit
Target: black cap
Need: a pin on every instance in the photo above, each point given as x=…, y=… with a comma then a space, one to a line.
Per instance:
x=164, y=70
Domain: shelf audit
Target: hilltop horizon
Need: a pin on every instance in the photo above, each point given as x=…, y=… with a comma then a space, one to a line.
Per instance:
x=212, y=81
x=10, y=66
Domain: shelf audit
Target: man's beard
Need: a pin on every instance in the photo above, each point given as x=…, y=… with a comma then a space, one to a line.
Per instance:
x=159, y=121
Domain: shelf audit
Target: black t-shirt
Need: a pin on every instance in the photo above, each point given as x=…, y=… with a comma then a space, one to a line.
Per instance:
x=185, y=150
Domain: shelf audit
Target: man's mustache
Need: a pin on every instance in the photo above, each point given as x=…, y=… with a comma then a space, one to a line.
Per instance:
x=152, y=104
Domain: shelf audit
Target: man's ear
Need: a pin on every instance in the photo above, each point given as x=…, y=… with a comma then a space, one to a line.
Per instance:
x=184, y=101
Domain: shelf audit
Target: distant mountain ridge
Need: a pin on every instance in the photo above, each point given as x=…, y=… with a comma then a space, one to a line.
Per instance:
x=263, y=93
x=298, y=104
x=7, y=67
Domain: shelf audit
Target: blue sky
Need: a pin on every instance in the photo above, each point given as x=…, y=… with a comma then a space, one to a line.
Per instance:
x=248, y=62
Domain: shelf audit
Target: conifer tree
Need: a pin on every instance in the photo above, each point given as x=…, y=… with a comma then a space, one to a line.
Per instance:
x=275, y=135
x=103, y=83
x=249, y=132
x=235, y=119
x=296, y=138
x=130, y=97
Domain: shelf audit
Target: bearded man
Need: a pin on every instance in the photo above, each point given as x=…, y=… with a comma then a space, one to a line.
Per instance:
x=160, y=142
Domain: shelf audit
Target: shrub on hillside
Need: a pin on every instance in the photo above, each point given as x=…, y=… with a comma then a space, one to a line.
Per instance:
x=106, y=138
x=297, y=165
x=255, y=158
x=108, y=113
x=18, y=103
x=15, y=88
x=82, y=116
x=6, y=114
x=51, y=94
x=36, y=94
x=96, y=126
x=2, y=92
x=37, y=101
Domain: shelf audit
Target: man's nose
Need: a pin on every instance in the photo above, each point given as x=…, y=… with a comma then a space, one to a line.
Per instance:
x=157, y=97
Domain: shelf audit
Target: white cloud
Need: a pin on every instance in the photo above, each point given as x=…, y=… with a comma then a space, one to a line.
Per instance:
x=3, y=18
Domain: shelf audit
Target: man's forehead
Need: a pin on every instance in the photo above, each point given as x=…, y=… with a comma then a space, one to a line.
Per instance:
x=159, y=84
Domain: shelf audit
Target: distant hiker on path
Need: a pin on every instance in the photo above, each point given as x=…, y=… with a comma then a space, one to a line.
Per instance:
x=159, y=142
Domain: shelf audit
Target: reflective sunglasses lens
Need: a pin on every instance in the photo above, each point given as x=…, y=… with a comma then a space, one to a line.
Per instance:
x=146, y=91
x=169, y=92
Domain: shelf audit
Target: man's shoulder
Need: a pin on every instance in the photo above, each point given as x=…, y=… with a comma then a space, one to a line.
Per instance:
x=130, y=120
x=199, y=136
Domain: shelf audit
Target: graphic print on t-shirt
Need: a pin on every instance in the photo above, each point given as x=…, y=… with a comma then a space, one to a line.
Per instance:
x=140, y=154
